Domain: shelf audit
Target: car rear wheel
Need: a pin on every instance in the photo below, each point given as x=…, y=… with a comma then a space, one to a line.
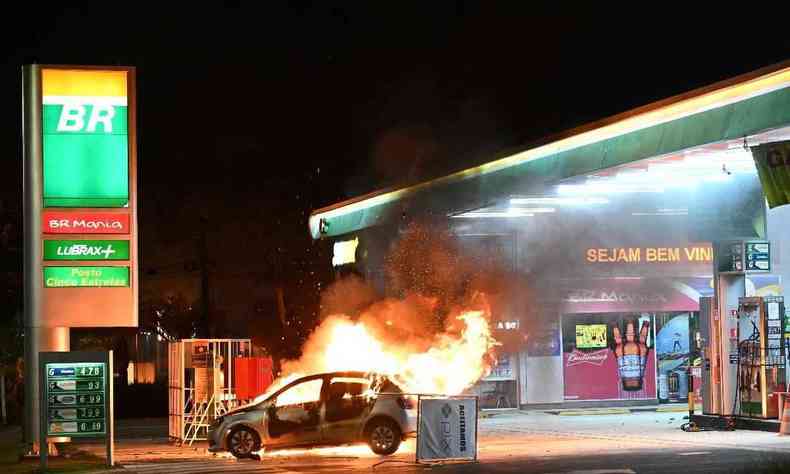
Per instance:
x=384, y=437
x=243, y=442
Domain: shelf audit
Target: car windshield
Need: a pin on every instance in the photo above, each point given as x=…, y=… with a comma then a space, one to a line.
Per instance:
x=380, y=384
x=274, y=387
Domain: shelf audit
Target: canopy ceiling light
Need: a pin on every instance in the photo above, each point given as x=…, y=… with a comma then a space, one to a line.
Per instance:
x=560, y=201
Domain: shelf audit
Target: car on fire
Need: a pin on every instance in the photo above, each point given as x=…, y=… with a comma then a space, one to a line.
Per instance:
x=323, y=409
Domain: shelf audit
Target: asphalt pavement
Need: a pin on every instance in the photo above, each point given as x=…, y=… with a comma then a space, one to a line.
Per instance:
x=524, y=442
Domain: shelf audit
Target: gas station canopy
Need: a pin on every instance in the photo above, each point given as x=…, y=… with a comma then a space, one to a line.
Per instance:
x=738, y=108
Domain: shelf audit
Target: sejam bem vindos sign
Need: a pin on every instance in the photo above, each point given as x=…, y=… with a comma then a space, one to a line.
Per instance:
x=85, y=160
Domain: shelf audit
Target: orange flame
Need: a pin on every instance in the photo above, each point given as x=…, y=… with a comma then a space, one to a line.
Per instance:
x=452, y=362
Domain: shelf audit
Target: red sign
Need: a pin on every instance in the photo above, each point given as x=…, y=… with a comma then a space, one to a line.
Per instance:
x=594, y=375
x=593, y=358
x=610, y=295
x=62, y=222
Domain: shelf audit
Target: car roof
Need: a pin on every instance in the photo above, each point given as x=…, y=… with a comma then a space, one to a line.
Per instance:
x=347, y=373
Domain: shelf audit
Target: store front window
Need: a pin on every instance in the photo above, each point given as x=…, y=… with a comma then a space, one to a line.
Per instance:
x=498, y=389
x=609, y=356
x=673, y=343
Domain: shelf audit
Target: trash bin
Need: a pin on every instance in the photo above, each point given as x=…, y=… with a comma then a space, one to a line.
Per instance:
x=674, y=385
x=683, y=385
x=663, y=388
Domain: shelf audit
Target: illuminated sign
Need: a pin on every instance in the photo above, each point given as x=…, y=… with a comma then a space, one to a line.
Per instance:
x=692, y=254
x=86, y=250
x=69, y=277
x=76, y=395
x=345, y=252
x=590, y=336
x=80, y=187
x=507, y=325
x=758, y=256
x=60, y=222
x=85, y=138
x=745, y=257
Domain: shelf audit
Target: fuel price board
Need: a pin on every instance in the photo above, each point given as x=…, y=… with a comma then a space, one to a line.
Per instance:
x=76, y=398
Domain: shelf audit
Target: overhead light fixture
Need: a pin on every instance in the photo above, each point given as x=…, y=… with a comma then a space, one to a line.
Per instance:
x=507, y=213
x=533, y=210
x=561, y=201
x=664, y=212
x=608, y=188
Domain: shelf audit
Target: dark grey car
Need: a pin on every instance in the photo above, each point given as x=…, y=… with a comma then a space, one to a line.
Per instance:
x=324, y=409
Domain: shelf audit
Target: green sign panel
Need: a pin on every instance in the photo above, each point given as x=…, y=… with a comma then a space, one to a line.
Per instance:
x=68, y=277
x=85, y=132
x=86, y=250
x=76, y=395
x=773, y=167
x=758, y=256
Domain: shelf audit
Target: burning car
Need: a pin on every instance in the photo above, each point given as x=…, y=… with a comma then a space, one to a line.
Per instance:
x=323, y=409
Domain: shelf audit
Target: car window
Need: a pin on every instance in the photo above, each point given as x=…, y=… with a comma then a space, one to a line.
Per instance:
x=347, y=398
x=347, y=387
x=305, y=392
x=385, y=385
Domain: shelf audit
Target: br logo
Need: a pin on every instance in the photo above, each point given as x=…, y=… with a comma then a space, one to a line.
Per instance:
x=73, y=118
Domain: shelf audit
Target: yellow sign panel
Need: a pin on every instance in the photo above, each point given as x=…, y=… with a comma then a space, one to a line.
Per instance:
x=590, y=336
x=83, y=83
x=692, y=254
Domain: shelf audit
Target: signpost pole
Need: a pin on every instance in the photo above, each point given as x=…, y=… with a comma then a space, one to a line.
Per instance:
x=2, y=395
x=42, y=419
x=110, y=413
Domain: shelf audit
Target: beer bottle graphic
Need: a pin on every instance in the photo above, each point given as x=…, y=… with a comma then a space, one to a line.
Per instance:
x=631, y=355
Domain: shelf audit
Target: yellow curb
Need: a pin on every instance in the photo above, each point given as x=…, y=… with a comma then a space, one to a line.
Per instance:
x=611, y=411
x=681, y=409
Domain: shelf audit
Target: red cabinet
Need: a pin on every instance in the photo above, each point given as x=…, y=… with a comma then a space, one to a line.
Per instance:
x=251, y=376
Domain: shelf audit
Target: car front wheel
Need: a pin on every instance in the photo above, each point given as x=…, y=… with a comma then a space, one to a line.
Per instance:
x=384, y=437
x=243, y=442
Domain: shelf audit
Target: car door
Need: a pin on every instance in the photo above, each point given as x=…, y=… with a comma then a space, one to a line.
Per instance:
x=294, y=416
x=346, y=405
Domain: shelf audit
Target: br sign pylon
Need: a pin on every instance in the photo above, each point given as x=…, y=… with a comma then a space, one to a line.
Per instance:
x=80, y=208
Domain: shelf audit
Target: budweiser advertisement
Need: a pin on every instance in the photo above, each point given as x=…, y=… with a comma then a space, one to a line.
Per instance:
x=64, y=222
x=616, y=365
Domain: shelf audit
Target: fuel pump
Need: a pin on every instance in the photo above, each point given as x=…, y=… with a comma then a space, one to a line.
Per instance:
x=761, y=356
x=734, y=328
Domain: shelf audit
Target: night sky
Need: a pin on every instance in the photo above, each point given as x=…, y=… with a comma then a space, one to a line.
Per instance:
x=250, y=118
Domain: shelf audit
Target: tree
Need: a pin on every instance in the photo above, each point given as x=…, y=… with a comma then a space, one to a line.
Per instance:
x=171, y=317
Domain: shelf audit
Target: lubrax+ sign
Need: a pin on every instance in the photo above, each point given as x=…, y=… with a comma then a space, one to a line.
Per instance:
x=86, y=250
